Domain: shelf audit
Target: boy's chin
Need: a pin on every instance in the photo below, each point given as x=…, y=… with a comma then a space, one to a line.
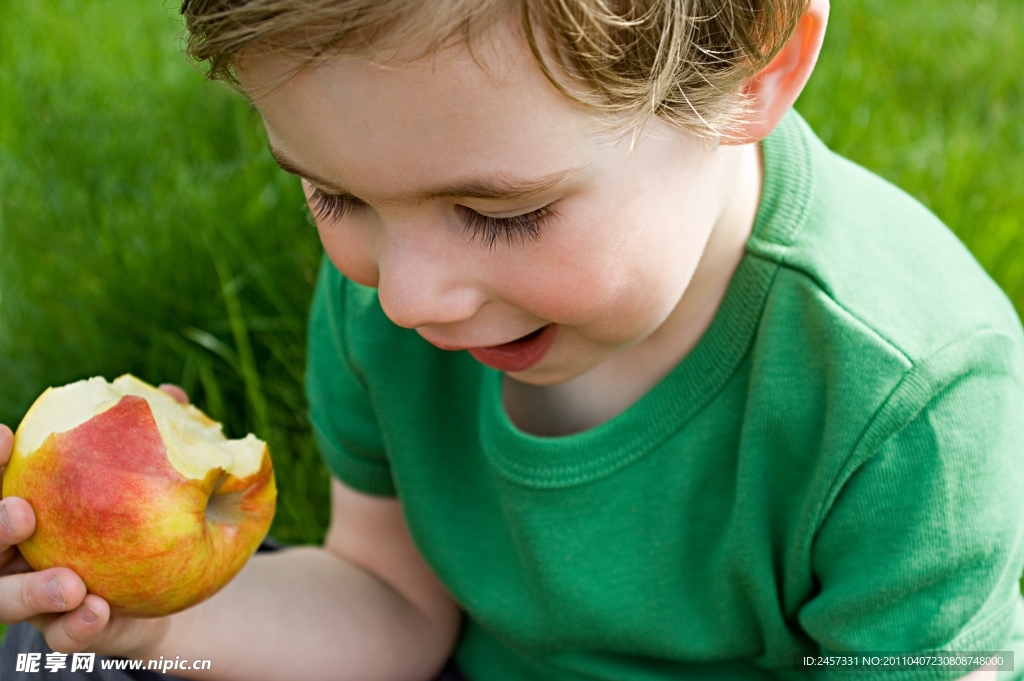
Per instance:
x=549, y=372
x=538, y=377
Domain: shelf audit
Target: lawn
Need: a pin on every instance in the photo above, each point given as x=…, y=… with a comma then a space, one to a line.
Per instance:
x=144, y=227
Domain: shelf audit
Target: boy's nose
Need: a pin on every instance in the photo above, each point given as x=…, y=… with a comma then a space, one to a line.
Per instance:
x=421, y=285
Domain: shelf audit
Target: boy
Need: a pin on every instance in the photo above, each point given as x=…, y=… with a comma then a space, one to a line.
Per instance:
x=726, y=397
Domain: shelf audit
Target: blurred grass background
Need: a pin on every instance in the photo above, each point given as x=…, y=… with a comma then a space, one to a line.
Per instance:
x=144, y=227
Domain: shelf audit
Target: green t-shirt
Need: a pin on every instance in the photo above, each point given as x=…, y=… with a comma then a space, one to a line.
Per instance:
x=837, y=465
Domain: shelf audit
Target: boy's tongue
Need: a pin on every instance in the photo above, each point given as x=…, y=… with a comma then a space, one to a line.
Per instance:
x=517, y=355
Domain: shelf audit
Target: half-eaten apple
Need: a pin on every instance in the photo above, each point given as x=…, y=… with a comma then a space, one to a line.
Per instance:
x=143, y=497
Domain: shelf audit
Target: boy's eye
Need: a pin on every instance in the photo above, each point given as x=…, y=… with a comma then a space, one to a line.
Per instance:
x=329, y=206
x=516, y=229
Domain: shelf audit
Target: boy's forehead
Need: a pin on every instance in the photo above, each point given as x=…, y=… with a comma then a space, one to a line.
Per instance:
x=359, y=122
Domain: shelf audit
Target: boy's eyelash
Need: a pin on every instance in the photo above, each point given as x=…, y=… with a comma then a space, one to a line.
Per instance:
x=514, y=230
x=329, y=206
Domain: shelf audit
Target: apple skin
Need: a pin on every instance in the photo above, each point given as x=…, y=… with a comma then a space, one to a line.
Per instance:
x=110, y=506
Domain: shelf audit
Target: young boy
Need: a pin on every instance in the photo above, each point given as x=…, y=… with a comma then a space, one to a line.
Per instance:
x=725, y=397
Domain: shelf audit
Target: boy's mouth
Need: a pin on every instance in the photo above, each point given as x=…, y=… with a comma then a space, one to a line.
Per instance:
x=519, y=354
x=523, y=339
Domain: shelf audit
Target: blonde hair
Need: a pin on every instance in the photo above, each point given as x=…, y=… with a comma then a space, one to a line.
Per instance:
x=681, y=60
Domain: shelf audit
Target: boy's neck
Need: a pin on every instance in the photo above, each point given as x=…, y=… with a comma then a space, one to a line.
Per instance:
x=612, y=387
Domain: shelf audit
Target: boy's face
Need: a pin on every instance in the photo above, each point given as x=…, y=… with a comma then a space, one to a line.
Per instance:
x=603, y=270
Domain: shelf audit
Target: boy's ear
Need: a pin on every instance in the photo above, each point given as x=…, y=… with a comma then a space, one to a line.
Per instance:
x=776, y=87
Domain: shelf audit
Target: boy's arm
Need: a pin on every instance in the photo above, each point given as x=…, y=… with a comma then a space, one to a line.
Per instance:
x=365, y=606
x=922, y=545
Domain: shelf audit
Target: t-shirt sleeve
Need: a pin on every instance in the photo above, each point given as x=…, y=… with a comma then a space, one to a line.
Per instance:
x=340, y=409
x=923, y=546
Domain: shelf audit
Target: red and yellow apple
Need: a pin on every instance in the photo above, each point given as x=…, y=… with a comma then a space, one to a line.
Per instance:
x=141, y=496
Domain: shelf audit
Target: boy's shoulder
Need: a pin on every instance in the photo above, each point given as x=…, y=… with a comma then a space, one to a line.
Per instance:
x=877, y=317
x=871, y=252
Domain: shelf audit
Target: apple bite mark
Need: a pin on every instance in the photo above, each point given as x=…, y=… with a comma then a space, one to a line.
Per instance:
x=222, y=507
x=195, y=443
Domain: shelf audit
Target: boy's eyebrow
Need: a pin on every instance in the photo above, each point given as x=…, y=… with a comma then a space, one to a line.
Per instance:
x=496, y=188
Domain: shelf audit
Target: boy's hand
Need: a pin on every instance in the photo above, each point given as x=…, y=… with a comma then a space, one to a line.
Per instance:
x=36, y=596
x=56, y=601
x=175, y=392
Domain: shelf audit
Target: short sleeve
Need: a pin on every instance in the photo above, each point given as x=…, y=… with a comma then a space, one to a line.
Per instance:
x=923, y=546
x=340, y=409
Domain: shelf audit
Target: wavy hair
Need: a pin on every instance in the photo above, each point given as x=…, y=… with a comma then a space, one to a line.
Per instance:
x=684, y=61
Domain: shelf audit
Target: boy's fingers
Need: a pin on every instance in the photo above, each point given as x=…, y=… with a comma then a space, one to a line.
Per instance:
x=6, y=444
x=175, y=392
x=17, y=521
x=74, y=631
x=30, y=594
x=127, y=634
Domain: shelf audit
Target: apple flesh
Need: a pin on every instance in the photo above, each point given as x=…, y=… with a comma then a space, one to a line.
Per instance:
x=144, y=498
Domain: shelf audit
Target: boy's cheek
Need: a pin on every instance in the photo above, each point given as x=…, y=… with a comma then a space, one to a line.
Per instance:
x=619, y=301
x=598, y=304
x=602, y=281
x=351, y=253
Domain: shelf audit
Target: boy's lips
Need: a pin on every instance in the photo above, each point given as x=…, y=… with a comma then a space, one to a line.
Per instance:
x=519, y=354
x=516, y=355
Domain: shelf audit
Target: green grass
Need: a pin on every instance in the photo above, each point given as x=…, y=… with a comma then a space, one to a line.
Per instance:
x=932, y=100
x=145, y=229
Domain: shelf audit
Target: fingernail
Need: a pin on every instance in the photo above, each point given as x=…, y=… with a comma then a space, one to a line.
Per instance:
x=54, y=591
x=88, y=616
x=5, y=519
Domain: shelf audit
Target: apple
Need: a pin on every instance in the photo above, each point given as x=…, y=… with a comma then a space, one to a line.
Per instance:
x=143, y=497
